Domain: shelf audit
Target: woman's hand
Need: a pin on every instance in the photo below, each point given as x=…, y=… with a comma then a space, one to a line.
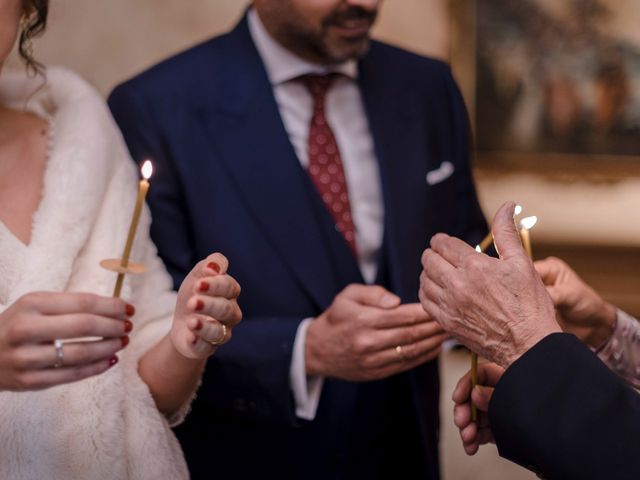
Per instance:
x=580, y=310
x=474, y=434
x=28, y=329
x=206, y=312
x=207, y=308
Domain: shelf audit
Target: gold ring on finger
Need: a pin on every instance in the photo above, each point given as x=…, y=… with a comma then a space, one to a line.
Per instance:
x=57, y=344
x=223, y=339
x=400, y=351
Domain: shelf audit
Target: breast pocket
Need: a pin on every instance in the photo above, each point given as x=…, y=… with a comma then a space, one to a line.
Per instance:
x=440, y=174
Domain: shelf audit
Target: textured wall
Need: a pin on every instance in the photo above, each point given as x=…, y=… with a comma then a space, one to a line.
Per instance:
x=108, y=41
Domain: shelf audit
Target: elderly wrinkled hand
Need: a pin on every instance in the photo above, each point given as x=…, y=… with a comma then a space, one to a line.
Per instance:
x=580, y=310
x=499, y=308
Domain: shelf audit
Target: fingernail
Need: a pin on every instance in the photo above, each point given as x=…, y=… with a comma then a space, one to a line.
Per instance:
x=130, y=310
x=388, y=301
x=199, y=305
x=214, y=266
x=204, y=286
x=124, y=340
x=128, y=326
x=199, y=325
x=113, y=360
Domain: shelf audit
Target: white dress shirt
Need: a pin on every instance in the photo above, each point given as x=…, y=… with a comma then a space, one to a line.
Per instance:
x=346, y=116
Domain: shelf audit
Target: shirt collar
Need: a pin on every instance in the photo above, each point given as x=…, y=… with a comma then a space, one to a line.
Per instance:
x=283, y=65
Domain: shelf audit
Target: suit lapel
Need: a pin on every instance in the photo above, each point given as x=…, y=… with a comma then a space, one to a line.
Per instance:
x=391, y=109
x=250, y=139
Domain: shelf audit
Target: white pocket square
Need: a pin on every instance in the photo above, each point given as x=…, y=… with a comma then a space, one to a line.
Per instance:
x=444, y=171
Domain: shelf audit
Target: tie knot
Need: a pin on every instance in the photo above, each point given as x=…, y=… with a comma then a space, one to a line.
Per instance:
x=318, y=85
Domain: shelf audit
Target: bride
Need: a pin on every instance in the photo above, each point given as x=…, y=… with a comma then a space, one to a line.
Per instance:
x=92, y=409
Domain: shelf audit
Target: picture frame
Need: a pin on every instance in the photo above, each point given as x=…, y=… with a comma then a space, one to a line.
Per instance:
x=532, y=109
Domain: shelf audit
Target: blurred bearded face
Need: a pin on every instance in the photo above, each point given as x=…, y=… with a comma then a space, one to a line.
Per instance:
x=322, y=31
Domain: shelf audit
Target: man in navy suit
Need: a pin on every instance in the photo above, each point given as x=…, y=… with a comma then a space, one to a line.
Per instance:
x=320, y=163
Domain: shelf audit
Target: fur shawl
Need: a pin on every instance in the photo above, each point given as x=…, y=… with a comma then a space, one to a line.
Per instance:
x=105, y=427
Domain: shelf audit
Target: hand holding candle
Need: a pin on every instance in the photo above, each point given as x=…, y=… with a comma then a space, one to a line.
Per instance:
x=498, y=307
x=526, y=224
x=480, y=248
x=471, y=295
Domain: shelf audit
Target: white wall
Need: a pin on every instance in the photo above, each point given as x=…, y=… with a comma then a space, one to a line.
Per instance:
x=579, y=212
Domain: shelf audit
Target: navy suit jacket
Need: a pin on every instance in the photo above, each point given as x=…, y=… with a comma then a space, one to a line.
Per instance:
x=227, y=179
x=559, y=411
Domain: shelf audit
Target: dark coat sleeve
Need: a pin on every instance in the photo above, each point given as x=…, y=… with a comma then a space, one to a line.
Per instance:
x=560, y=412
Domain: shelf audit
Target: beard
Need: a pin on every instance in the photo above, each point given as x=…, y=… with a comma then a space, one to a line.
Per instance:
x=342, y=36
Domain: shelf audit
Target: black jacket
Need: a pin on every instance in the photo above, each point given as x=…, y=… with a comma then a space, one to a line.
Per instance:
x=559, y=411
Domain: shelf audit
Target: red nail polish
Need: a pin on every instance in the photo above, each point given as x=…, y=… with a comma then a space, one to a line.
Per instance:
x=204, y=286
x=199, y=305
x=130, y=310
x=214, y=266
x=199, y=325
x=113, y=360
x=128, y=326
x=125, y=341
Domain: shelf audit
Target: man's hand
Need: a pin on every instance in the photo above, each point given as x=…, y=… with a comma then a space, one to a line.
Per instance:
x=366, y=334
x=498, y=308
x=474, y=434
x=580, y=310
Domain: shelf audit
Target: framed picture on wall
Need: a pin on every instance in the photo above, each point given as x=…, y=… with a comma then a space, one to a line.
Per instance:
x=551, y=83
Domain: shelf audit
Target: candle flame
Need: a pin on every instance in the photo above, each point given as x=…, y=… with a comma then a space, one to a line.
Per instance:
x=478, y=249
x=147, y=169
x=529, y=222
x=518, y=210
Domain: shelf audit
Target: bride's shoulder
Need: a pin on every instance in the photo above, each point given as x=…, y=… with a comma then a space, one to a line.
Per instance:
x=69, y=85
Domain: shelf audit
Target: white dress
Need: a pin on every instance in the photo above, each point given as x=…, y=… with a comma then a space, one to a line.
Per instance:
x=105, y=427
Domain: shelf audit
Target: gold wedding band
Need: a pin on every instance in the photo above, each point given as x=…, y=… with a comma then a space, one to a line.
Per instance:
x=224, y=339
x=400, y=351
x=57, y=344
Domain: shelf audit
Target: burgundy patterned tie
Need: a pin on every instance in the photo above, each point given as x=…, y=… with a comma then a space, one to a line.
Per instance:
x=325, y=165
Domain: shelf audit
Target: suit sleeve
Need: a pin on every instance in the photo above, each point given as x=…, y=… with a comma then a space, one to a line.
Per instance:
x=560, y=412
x=249, y=377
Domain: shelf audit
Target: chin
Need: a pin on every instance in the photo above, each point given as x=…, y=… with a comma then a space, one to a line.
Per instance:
x=343, y=51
